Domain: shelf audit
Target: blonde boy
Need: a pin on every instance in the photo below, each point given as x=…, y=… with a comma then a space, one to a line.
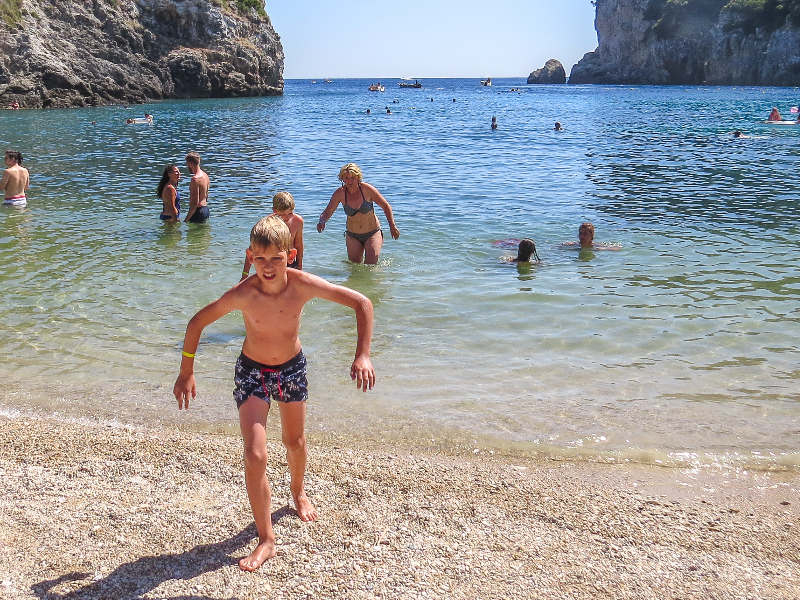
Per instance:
x=283, y=207
x=272, y=365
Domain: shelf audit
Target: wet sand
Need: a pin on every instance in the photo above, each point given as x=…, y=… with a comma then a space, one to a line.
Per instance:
x=92, y=510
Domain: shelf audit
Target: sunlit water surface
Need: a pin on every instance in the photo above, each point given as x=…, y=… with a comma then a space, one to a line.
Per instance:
x=678, y=347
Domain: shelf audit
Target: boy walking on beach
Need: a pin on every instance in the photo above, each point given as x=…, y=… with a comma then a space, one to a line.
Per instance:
x=283, y=207
x=272, y=365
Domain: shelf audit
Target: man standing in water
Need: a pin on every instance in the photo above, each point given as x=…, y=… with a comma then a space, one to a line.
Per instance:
x=15, y=180
x=198, y=190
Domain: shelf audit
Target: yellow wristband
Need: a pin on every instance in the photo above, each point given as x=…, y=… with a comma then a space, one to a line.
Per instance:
x=186, y=354
x=245, y=272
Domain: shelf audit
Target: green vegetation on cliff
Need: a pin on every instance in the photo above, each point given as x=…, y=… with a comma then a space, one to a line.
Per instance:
x=11, y=12
x=674, y=18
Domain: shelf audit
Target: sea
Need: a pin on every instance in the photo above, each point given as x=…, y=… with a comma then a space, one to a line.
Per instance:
x=673, y=342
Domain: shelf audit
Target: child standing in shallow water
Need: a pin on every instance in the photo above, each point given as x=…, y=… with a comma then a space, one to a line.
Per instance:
x=283, y=207
x=272, y=365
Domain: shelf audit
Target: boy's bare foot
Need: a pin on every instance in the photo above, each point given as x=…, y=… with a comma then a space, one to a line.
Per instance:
x=305, y=509
x=264, y=551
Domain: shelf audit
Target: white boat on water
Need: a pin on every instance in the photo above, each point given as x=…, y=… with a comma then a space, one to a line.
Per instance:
x=486, y=82
x=376, y=87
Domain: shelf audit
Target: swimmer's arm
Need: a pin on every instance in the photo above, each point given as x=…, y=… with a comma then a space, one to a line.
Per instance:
x=378, y=198
x=27, y=179
x=169, y=206
x=298, y=245
x=185, y=387
x=246, y=268
x=361, y=370
x=194, y=198
x=328, y=212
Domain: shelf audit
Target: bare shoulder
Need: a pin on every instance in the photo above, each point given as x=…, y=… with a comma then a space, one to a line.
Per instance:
x=310, y=286
x=368, y=187
x=338, y=195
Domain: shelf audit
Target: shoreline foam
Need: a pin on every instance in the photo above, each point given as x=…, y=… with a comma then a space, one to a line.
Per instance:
x=94, y=510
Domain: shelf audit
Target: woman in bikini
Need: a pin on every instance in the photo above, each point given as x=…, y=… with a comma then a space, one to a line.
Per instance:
x=363, y=231
x=168, y=192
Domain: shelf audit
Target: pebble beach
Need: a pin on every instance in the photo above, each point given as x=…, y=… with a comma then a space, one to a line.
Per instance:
x=96, y=510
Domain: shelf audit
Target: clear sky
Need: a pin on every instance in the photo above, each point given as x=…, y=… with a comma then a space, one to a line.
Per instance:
x=430, y=38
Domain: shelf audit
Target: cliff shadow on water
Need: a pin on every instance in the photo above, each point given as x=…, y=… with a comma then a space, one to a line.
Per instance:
x=69, y=53
x=694, y=42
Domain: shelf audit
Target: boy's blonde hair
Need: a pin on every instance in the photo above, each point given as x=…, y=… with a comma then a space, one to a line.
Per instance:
x=353, y=169
x=282, y=201
x=271, y=231
x=193, y=157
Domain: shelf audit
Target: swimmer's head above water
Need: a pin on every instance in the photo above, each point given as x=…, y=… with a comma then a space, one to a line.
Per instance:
x=586, y=235
x=526, y=249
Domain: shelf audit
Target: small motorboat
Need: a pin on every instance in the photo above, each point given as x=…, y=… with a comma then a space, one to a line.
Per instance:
x=376, y=87
x=329, y=81
x=486, y=82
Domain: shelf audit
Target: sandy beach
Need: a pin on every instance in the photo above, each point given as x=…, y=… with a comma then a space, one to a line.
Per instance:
x=93, y=510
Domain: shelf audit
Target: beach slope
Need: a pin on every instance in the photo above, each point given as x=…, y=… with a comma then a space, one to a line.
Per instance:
x=93, y=510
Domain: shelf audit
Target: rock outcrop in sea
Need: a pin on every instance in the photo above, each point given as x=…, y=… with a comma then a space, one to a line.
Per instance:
x=712, y=42
x=551, y=72
x=62, y=53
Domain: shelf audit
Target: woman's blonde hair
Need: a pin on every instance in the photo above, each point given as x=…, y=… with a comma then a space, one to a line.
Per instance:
x=353, y=169
x=271, y=231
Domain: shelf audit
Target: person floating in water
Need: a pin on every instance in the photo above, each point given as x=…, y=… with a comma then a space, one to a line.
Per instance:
x=586, y=240
x=526, y=250
x=363, y=233
x=740, y=135
x=774, y=115
x=558, y=127
x=494, y=122
x=16, y=180
x=272, y=367
x=283, y=207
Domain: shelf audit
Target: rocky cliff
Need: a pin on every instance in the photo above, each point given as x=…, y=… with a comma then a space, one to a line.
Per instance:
x=551, y=72
x=60, y=53
x=713, y=42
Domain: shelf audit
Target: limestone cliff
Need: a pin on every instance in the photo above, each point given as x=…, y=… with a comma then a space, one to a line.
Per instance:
x=60, y=53
x=713, y=42
x=551, y=72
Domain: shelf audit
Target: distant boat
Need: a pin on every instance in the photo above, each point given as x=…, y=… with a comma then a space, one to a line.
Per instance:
x=313, y=81
x=376, y=87
x=486, y=82
x=416, y=85
x=329, y=81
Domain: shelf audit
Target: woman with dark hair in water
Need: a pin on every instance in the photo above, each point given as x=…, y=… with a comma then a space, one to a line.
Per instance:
x=363, y=232
x=168, y=192
x=526, y=249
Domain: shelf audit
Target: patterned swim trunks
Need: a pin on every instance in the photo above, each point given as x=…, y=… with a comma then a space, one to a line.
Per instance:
x=284, y=383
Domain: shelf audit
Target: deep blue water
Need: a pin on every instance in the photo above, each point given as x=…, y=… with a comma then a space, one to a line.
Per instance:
x=680, y=345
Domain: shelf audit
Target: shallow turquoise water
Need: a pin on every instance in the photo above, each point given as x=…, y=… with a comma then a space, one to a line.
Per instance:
x=679, y=347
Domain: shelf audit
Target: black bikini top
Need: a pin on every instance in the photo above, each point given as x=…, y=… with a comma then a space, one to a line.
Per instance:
x=365, y=208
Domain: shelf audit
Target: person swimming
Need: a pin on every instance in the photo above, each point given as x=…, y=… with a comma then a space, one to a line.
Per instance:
x=526, y=249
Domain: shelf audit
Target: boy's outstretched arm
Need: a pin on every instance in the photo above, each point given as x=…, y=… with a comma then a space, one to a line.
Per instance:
x=361, y=371
x=185, y=386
